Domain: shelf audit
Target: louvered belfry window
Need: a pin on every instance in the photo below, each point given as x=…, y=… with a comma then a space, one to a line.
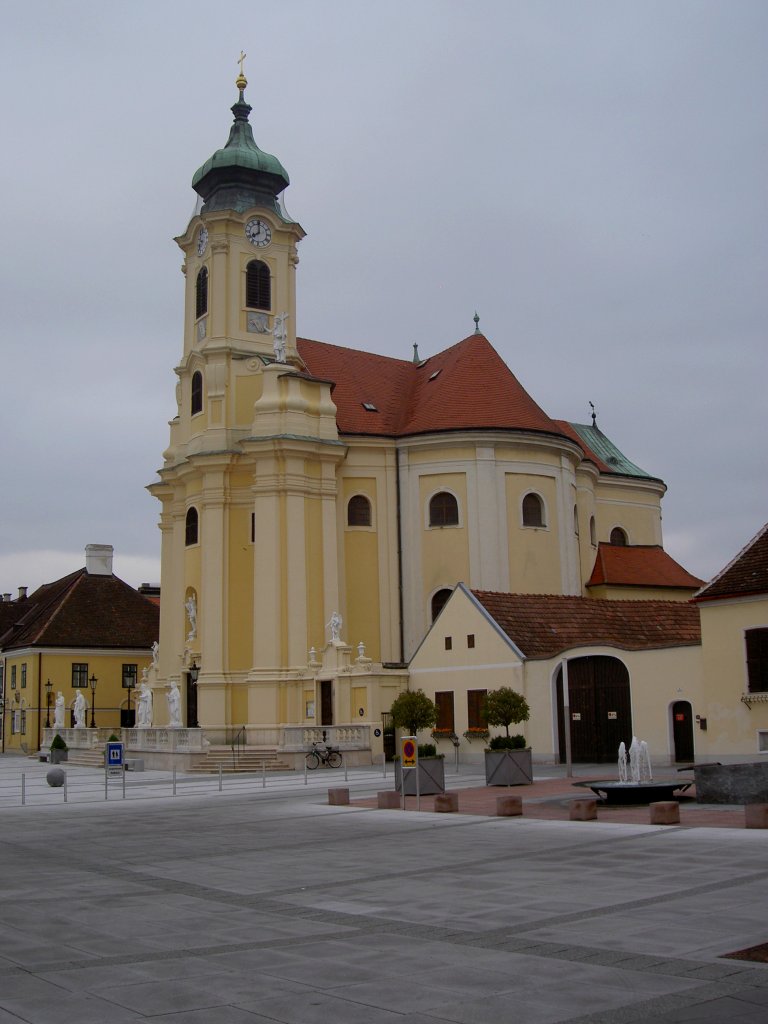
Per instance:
x=191, y=524
x=201, y=293
x=533, y=510
x=258, y=291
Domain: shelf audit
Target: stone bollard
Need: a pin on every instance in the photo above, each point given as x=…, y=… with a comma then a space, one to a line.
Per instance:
x=756, y=816
x=583, y=810
x=447, y=802
x=508, y=806
x=55, y=777
x=388, y=800
x=338, y=797
x=665, y=812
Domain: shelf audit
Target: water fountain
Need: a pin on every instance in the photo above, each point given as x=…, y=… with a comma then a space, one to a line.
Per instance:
x=635, y=784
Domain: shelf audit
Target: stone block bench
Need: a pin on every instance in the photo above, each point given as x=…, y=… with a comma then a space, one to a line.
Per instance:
x=583, y=809
x=338, y=797
x=447, y=803
x=665, y=812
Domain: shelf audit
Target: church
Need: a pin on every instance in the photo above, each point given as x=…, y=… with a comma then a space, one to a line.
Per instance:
x=320, y=505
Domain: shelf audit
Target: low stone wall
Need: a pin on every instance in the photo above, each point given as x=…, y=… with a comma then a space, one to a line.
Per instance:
x=732, y=783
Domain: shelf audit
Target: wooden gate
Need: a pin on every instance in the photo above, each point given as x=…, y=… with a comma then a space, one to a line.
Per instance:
x=600, y=708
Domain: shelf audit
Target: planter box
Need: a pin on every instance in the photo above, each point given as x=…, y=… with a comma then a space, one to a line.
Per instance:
x=57, y=756
x=508, y=767
x=731, y=783
x=431, y=777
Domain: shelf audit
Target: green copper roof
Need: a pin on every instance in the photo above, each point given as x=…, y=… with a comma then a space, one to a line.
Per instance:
x=606, y=450
x=240, y=175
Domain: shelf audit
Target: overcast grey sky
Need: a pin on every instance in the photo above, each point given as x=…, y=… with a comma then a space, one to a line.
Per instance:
x=590, y=175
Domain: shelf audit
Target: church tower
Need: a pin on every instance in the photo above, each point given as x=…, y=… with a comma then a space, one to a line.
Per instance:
x=248, y=483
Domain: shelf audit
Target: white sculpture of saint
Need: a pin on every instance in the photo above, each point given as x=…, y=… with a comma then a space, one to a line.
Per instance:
x=81, y=710
x=335, y=626
x=58, y=711
x=279, y=335
x=174, y=707
x=144, y=706
x=155, y=655
x=191, y=605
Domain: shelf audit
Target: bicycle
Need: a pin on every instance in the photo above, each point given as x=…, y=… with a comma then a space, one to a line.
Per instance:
x=319, y=754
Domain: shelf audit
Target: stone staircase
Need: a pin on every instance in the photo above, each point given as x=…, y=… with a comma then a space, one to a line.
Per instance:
x=85, y=759
x=247, y=759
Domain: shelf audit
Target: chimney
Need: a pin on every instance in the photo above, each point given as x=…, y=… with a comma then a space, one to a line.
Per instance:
x=22, y=593
x=6, y=597
x=98, y=559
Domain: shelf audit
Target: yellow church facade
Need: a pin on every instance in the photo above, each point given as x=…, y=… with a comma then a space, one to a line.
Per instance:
x=320, y=503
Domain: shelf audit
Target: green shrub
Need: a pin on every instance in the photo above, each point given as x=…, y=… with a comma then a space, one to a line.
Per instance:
x=413, y=710
x=516, y=742
x=505, y=706
x=58, y=743
x=113, y=739
x=427, y=750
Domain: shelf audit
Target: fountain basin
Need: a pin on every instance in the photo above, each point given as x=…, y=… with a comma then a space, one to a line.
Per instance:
x=612, y=792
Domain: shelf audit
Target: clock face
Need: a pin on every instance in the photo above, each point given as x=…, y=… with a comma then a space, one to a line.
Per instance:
x=202, y=240
x=258, y=232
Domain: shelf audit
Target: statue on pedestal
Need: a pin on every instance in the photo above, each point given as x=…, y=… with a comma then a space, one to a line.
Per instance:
x=81, y=710
x=174, y=707
x=144, y=705
x=335, y=626
x=58, y=711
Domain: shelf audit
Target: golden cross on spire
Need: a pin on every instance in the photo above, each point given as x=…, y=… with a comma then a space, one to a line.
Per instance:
x=241, y=81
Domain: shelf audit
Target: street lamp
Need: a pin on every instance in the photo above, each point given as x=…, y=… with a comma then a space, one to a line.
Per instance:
x=129, y=684
x=194, y=671
x=92, y=683
x=48, y=688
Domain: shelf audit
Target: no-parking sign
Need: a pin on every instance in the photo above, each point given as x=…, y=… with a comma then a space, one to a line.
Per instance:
x=409, y=751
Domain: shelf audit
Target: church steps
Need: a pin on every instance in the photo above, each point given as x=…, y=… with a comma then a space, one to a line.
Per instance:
x=247, y=759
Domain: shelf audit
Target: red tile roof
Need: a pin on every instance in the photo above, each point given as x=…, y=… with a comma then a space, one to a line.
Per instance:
x=83, y=610
x=639, y=565
x=468, y=386
x=746, y=574
x=545, y=625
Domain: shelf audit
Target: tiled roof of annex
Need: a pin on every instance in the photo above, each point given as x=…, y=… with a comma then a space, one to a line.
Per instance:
x=745, y=575
x=83, y=610
x=639, y=565
x=546, y=625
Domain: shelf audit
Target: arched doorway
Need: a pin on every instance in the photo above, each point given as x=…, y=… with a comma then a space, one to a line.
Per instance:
x=600, y=709
x=682, y=730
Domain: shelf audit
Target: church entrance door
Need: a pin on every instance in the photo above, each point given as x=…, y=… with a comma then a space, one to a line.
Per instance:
x=326, y=702
x=191, y=703
x=600, y=708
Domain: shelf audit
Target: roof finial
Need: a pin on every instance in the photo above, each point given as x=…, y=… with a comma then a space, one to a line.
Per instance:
x=416, y=353
x=241, y=81
x=594, y=415
x=476, y=318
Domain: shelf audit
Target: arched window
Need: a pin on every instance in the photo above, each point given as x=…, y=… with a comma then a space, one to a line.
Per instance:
x=439, y=600
x=533, y=510
x=443, y=510
x=190, y=535
x=592, y=531
x=359, y=511
x=618, y=537
x=258, y=292
x=196, y=403
x=201, y=293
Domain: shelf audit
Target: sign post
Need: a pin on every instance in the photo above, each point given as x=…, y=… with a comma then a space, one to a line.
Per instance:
x=409, y=760
x=113, y=761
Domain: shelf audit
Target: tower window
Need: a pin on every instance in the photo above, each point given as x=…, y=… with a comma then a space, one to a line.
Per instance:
x=359, y=511
x=191, y=527
x=201, y=293
x=258, y=290
x=618, y=537
x=196, y=404
x=443, y=510
x=757, y=660
x=533, y=510
x=592, y=531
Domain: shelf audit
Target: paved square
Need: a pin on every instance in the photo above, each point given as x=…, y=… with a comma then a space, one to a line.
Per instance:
x=270, y=905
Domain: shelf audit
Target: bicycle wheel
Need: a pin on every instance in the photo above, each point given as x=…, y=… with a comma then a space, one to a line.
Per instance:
x=334, y=759
x=312, y=760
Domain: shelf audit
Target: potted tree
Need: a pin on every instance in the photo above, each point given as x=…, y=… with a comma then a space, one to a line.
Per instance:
x=59, y=750
x=413, y=711
x=508, y=760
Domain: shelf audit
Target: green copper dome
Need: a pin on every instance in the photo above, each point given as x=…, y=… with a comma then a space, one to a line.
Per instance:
x=240, y=175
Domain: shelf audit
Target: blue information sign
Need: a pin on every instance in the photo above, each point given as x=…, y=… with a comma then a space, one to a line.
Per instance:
x=114, y=755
